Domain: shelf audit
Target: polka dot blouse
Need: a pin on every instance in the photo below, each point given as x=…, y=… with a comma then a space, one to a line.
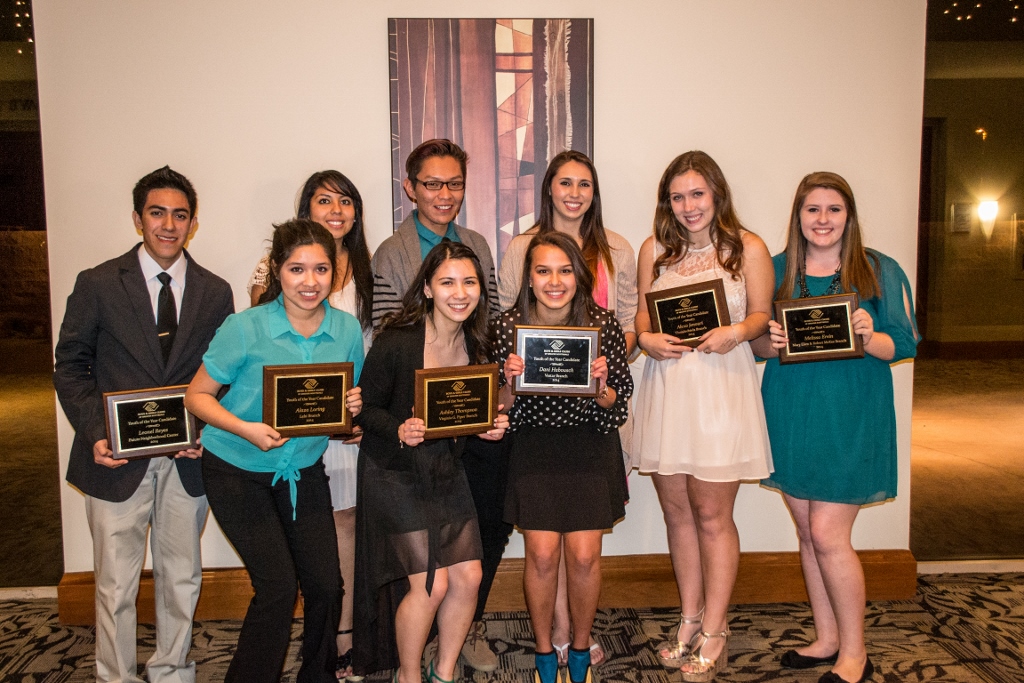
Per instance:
x=572, y=411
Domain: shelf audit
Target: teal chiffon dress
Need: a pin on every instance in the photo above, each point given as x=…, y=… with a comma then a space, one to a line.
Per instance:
x=832, y=424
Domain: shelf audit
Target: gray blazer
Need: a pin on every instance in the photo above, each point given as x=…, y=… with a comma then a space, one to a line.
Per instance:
x=108, y=342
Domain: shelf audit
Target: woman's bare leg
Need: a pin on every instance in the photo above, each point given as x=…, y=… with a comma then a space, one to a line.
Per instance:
x=413, y=620
x=540, y=582
x=455, y=615
x=843, y=576
x=583, y=573
x=561, y=629
x=826, y=632
x=719, y=541
x=683, y=546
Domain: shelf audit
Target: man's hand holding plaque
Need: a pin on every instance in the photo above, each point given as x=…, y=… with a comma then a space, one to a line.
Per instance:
x=820, y=328
x=145, y=424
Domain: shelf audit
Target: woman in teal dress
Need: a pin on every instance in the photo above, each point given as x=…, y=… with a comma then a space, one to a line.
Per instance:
x=832, y=424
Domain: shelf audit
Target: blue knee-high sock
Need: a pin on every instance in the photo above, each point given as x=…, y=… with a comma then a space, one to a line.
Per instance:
x=547, y=666
x=579, y=662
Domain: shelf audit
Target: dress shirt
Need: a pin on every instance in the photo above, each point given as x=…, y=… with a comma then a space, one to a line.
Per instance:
x=150, y=270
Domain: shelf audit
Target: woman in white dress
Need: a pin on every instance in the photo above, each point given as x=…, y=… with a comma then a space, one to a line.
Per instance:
x=332, y=200
x=700, y=424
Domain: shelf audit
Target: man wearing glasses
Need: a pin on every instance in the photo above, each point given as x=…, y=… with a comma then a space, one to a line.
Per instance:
x=436, y=182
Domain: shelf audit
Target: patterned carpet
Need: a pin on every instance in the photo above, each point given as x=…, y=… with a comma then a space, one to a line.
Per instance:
x=959, y=627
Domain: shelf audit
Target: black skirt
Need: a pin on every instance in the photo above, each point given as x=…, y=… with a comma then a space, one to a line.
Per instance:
x=413, y=517
x=565, y=479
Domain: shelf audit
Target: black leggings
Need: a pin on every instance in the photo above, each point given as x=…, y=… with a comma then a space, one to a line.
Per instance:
x=280, y=554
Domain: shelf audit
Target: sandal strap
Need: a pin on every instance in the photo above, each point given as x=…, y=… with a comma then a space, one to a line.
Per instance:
x=723, y=634
x=432, y=675
x=693, y=619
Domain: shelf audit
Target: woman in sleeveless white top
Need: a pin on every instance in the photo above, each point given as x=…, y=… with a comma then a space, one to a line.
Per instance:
x=332, y=200
x=701, y=414
x=700, y=424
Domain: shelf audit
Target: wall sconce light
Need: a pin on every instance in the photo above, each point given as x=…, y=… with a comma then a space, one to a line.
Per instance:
x=987, y=212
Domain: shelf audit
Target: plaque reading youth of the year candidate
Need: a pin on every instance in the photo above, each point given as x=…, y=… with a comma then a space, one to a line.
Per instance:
x=457, y=401
x=557, y=360
x=689, y=311
x=819, y=328
x=149, y=422
x=307, y=399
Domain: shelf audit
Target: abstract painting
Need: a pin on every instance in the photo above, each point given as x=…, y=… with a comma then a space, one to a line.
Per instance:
x=512, y=92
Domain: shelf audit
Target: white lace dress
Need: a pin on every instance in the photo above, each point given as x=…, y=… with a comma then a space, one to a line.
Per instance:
x=339, y=458
x=702, y=414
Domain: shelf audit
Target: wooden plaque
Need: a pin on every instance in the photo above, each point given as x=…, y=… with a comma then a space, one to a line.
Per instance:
x=457, y=401
x=307, y=399
x=689, y=311
x=819, y=328
x=147, y=423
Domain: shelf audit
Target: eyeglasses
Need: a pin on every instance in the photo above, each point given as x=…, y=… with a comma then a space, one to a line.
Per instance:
x=435, y=185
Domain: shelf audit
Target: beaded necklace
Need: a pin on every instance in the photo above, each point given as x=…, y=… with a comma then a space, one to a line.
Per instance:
x=834, y=287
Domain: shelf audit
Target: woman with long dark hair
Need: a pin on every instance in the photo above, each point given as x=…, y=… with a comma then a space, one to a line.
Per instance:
x=566, y=484
x=417, y=539
x=570, y=203
x=270, y=493
x=833, y=425
x=699, y=420
x=332, y=200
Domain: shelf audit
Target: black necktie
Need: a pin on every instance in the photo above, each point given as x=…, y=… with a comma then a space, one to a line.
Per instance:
x=166, y=315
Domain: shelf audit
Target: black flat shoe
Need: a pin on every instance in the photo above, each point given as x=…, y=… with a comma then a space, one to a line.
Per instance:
x=832, y=677
x=795, y=660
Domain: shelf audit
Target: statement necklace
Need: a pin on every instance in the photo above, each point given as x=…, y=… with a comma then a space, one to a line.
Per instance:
x=834, y=287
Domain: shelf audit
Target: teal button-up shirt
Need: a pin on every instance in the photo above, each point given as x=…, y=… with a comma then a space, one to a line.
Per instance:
x=262, y=336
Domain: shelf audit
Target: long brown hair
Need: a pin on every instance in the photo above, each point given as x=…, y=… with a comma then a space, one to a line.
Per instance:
x=595, y=241
x=855, y=271
x=582, y=302
x=726, y=228
x=416, y=306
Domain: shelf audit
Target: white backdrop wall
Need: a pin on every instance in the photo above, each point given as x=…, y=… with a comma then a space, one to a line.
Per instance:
x=248, y=98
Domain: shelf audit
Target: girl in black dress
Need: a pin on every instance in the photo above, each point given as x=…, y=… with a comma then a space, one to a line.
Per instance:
x=566, y=482
x=417, y=540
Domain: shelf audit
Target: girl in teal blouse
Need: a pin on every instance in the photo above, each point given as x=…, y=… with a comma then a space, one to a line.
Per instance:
x=832, y=424
x=270, y=493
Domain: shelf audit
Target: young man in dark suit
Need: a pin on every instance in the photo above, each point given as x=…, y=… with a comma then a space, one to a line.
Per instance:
x=141, y=320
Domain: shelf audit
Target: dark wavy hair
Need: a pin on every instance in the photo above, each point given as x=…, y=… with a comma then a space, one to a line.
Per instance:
x=595, y=241
x=289, y=236
x=416, y=306
x=160, y=179
x=354, y=241
x=438, y=147
x=581, y=307
x=855, y=270
x=726, y=229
